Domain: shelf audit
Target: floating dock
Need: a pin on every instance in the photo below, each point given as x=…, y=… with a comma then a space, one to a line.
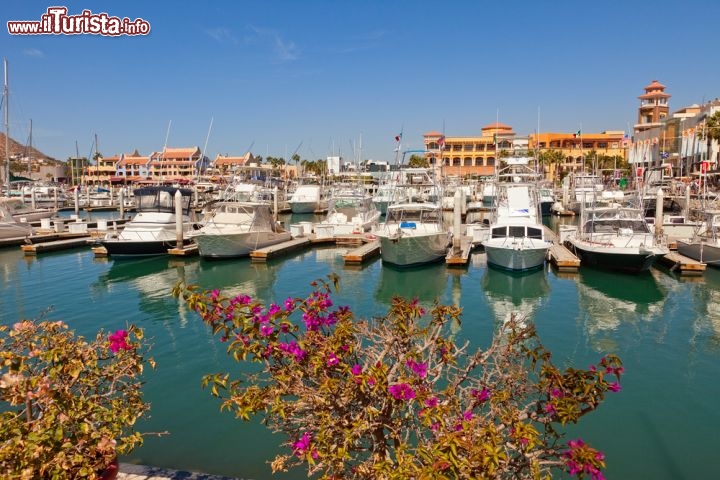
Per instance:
x=459, y=255
x=273, y=251
x=185, y=251
x=563, y=259
x=33, y=249
x=683, y=264
x=362, y=253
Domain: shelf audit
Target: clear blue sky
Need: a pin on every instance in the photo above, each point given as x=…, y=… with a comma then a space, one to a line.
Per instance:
x=273, y=74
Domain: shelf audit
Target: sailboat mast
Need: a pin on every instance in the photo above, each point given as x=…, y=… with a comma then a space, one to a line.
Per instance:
x=7, y=128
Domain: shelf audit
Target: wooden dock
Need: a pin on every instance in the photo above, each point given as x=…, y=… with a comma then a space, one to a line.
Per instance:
x=33, y=249
x=459, y=255
x=683, y=264
x=362, y=253
x=185, y=251
x=563, y=259
x=264, y=254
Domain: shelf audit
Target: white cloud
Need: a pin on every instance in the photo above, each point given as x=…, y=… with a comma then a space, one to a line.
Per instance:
x=222, y=35
x=33, y=52
x=285, y=50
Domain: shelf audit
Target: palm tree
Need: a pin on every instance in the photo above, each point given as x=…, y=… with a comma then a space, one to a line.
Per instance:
x=712, y=129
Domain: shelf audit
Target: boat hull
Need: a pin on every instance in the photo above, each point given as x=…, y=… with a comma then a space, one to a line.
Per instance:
x=237, y=245
x=517, y=254
x=144, y=248
x=701, y=251
x=409, y=251
x=304, y=207
x=630, y=260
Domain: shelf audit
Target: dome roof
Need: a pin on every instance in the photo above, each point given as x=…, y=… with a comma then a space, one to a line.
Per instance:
x=497, y=126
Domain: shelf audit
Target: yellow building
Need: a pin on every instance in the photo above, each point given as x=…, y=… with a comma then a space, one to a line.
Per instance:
x=478, y=155
x=468, y=155
x=575, y=147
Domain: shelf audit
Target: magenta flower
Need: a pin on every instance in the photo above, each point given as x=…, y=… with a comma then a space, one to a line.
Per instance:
x=420, y=369
x=289, y=304
x=243, y=299
x=293, y=349
x=556, y=393
x=274, y=308
x=118, y=341
x=302, y=445
x=549, y=408
x=266, y=330
x=214, y=294
x=401, y=391
x=356, y=369
x=482, y=396
x=467, y=415
x=332, y=359
x=431, y=402
x=614, y=387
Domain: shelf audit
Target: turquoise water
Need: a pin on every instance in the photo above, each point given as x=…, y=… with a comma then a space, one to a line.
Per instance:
x=666, y=329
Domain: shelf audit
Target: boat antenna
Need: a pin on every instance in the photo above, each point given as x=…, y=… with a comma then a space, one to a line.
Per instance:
x=7, y=127
x=167, y=135
x=202, y=154
x=398, y=140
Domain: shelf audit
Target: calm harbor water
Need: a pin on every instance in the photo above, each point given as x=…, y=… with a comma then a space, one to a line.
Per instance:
x=666, y=329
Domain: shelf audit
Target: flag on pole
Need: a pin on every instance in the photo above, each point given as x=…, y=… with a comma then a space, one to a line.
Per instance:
x=398, y=137
x=441, y=142
x=577, y=134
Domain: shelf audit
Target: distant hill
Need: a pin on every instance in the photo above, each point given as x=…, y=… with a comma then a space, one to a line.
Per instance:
x=18, y=150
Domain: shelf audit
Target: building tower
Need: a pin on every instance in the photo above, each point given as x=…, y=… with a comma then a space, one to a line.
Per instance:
x=654, y=107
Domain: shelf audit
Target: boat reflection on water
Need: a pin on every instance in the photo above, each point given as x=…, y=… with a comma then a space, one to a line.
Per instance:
x=607, y=302
x=514, y=292
x=426, y=283
x=155, y=277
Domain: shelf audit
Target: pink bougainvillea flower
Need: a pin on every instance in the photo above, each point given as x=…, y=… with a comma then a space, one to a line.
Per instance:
x=431, y=402
x=419, y=369
x=356, y=369
x=274, y=308
x=118, y=341
x=266, y=330
x=482, y=396
x=302, y=445
x=401, y=391
x=614, y=387
x=332, y=359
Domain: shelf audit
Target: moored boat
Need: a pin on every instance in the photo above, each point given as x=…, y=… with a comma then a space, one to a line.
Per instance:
x=516, y=239
x=234, y=229
x=616, y=238
x=153, y=230
x=704, y=245
x=413, y=234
